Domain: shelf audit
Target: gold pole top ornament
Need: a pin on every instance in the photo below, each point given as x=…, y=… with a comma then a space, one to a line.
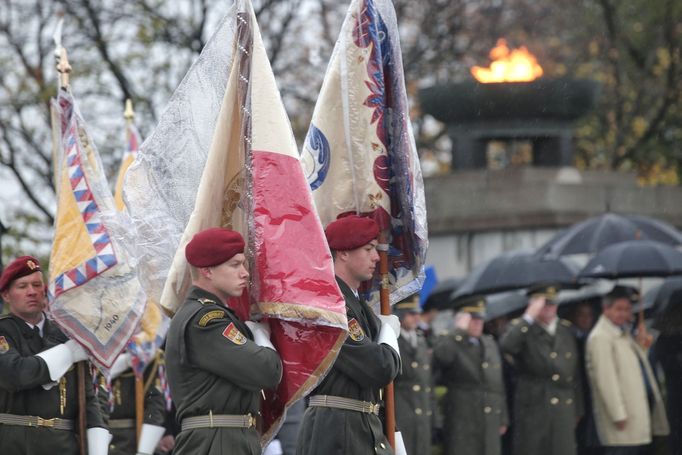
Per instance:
x=63, y=68
x=129, y=113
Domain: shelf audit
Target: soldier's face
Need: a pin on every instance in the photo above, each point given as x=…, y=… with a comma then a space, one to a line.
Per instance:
x=619, y=312
x=26, y=296
x=362, y=261
x=231, y=277
x=409, y=321
x=475, y=327
x=548, y=313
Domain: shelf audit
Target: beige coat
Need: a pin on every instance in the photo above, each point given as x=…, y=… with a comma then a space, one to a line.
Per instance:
x=618, y=388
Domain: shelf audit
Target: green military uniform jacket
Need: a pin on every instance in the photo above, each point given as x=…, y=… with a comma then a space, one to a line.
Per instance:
x=413, y=395
x=362, y=367
x=475, y=403
x=213, y=369
x=548, y=398
x=124, y=441
x=22, y=376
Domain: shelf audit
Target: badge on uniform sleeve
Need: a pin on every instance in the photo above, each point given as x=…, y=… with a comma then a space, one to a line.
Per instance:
x=211, y=315
x=355, y=331
x=233, y=334
x=4, y=345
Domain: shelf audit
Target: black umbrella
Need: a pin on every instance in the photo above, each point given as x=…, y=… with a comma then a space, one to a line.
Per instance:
x=439, y=297
x=634, y=259
x=516, y=270
x=504, y=303
x=659, y=297
x=594, y=234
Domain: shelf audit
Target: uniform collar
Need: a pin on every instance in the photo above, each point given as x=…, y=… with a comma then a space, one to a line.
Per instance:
x=40, y=325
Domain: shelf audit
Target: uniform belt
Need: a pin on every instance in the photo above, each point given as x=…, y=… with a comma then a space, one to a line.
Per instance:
x=34, y=421
x=121, y=424
x=218, y=421
x=349, y=404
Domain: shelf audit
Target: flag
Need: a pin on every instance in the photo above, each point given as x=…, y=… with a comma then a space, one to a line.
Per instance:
x=253, y=182
x=94, y=293
x=143, y=345
x=359, y=155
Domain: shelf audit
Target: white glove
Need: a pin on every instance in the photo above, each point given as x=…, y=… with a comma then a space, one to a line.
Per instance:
x=77, y=351
x=392, y=320
x=60, y=358
x=149, y=438
x=261, y=334
x=98, y=441
x=121, y=364
x=399, y=444
x=389, y=337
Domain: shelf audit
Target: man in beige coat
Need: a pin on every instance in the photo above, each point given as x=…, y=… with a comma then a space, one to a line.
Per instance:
x=627, y=403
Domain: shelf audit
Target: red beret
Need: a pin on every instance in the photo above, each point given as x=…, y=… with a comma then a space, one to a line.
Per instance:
x=351, y=232
x=213, y=246
x=20, y=267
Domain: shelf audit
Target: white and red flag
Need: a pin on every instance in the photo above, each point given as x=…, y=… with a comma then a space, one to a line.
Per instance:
x=251, y=181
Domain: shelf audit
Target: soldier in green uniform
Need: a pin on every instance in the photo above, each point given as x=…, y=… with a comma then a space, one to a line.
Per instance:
x=470, y=365
x=343, y=414
x=217, y=364
x=38, y=384
x=122, y=416
x=548, y=398
x=413, y=386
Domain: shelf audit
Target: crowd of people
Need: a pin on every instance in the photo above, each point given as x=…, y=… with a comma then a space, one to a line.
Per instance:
x=535, y=384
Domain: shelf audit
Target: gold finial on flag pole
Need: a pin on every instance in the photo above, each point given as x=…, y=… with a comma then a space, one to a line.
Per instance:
x=129, y=113
x=63, y=68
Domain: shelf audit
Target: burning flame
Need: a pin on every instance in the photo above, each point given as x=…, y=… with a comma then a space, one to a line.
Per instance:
x=517, y=65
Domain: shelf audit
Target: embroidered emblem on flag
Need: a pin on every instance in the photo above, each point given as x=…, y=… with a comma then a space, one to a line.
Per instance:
x=233, y=334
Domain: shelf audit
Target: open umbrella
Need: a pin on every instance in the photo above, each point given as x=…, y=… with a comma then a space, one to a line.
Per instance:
x=504, y=303
x=660, y=297
x=634, y=259
x=596, y=233
x=439, y=297
x=516, y=270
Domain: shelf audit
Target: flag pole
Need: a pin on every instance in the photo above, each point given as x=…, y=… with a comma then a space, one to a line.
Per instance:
x=64, y=69
x=129, y=116
x=384, y=292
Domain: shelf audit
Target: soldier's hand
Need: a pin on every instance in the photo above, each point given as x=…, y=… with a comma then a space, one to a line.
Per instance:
x=620, y=425
x=392, y=320
x=261, y=334
x=535, y=305
x=77, y=351
x=462, y=321
x=643, y=338
x=503, y=429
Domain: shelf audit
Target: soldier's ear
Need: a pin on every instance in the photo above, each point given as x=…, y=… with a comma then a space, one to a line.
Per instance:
x=206, y=272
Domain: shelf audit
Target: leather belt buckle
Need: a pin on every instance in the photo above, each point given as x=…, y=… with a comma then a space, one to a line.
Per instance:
x=49, y=423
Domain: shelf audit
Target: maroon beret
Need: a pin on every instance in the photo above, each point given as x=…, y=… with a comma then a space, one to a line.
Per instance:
x=213, y=246
x=351, y=232
x=20, y=267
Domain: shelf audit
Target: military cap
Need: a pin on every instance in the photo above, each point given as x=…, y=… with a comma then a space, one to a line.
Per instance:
x=351, y=232
x=474, y=305
x=620, y=291
x=547, y=290
x=213, y=246
x=408, y=305
x=20, y=267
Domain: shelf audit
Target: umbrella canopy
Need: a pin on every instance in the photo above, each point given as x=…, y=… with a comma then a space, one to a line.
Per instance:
x=504, y=303
x=439, y=297
x=516, y=270
x=594, y=234
x=634, y=259
x=667, y=293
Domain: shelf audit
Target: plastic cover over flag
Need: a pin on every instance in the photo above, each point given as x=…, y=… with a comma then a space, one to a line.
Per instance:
x=251, y=181
x=359, y=155
x=94, y=292
x=143, y=345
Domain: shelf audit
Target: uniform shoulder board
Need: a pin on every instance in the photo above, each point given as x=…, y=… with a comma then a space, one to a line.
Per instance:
x=566, y=323
x=4, y=316
x=515, y=321
x=442, y=333
x=210, y=316
x=206, y=301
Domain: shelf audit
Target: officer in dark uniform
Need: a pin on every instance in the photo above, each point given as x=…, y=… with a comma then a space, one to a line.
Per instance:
x=38, y=385
x=122, y=416
x=217, y=364
x=470, y=365
x=413, y=386
x=343, y=413
x=548, y=398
